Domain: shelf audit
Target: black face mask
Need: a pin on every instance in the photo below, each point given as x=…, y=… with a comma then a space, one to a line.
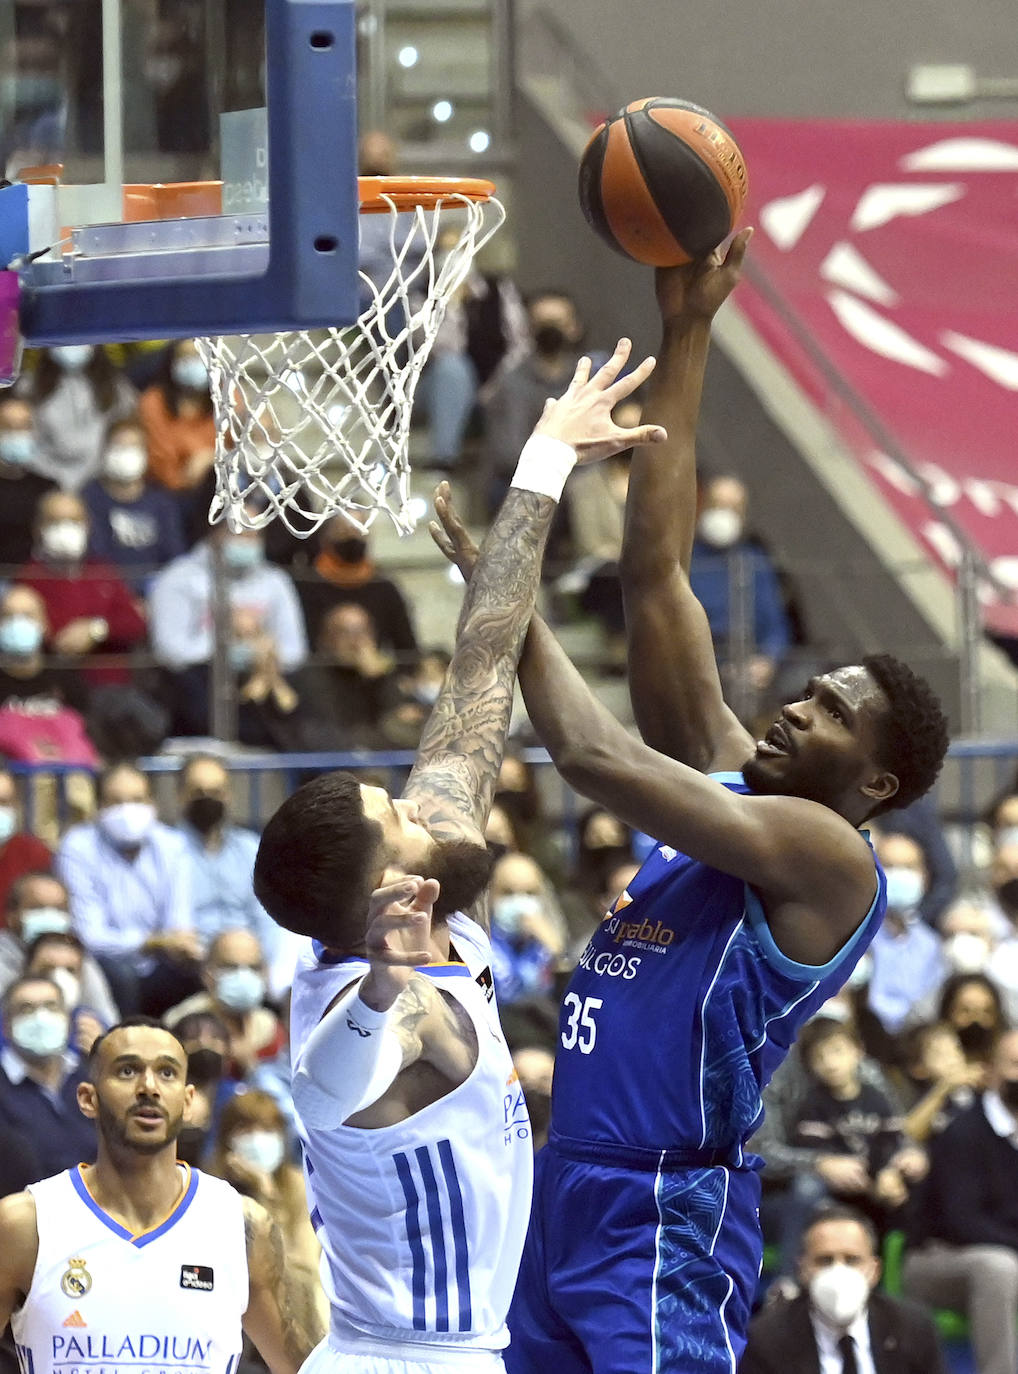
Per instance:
x=350, y=550
x=191, y=1144
x=205, y=813
x=1007, y=896
x=976, y=1039
x=204, y=1067
x=549, y=340
x=1008, y=1091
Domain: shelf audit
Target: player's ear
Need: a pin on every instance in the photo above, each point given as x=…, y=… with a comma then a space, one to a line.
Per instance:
x=188, y=1102
x=880, y=788
x=88, y=1103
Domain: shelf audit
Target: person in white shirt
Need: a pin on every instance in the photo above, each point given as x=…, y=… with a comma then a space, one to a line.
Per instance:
x=139, y=1259
x=839, y=1323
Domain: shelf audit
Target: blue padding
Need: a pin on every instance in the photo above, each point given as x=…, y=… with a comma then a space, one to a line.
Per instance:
x=312, y=198
x=13, y=223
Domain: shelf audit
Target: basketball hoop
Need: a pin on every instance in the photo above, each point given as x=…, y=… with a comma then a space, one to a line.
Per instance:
x=315, y=422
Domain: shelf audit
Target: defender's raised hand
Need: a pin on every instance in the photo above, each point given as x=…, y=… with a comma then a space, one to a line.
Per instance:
x=582, y=417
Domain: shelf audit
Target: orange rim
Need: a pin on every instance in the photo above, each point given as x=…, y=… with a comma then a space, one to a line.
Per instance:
x=407, y=193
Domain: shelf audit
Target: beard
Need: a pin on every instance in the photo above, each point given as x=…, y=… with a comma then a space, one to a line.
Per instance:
x=463, y=870
x=113, y=1130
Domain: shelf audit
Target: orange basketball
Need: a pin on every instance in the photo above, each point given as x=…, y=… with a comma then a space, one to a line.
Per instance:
x=663, y=181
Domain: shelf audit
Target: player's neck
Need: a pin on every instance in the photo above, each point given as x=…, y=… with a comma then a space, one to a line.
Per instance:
x=137, y=1190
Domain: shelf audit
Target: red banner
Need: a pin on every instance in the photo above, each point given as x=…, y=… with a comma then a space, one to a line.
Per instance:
x=893, y=247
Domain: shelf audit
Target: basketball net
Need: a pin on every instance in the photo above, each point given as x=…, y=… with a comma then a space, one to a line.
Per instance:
x=318, y=421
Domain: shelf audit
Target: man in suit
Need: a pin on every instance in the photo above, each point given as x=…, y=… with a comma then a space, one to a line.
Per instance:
x=839, y=1324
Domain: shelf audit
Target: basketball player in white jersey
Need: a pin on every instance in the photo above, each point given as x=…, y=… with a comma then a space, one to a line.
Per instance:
x=139, y=1264
x=418, y=1155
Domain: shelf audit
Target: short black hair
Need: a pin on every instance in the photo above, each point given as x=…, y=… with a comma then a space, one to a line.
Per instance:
x=127, y=1024
x=317, y=857
x=66, y=938
x=821, y=1029
x=17, y=887
x=20, y=982
x=950, y=990
x=840, y=1211
x=914, y=732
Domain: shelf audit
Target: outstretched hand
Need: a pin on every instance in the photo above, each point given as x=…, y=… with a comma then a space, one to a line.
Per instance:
x=450, y=534
x=582, y=417
x=398, y=932
x=697, y=290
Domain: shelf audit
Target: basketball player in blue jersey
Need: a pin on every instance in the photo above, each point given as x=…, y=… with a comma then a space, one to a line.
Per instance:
x=418, y=1158
x=138, y=1261
x=758, y=900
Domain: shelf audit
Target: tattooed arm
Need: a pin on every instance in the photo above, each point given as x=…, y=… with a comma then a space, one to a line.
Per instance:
x=461, y=749
x=281, y=1318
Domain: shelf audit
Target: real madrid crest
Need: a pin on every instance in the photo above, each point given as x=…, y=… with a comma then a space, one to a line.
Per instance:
x=76, y=1280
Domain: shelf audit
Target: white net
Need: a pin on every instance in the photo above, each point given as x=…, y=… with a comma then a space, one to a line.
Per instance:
x=315, y=422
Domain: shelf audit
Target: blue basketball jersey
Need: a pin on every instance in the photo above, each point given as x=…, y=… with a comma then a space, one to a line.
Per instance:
x=681, y=1008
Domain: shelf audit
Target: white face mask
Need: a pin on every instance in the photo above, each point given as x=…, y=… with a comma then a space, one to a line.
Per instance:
x=64, y=541
x=241, y=989
x=839, y=1293
x=69, y=984
x=41, y=1033
x=508, y=911
x=967, y=952
x=72, y=357
x=127, y=823
x=8, y=823
x=905, y=888
x=261, y=1149
x=720, y=527
x=43, y=920
x=125, y=462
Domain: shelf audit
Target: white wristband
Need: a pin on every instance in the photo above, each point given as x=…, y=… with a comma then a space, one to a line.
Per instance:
x=544, y=465
x=364, y=1020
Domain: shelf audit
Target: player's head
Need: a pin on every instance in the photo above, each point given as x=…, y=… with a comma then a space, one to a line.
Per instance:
x=327, y=846
x=137, y=1091
x=862, y=740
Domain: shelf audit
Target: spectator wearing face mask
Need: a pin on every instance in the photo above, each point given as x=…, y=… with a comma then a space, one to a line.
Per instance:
x=206, y=1042
x=252, y=1152
x=970, y=932
x=344, y=571
x=22, y=485
x=721, y=538
x=40, y=1074
x=180, y=602
x=134, y=525
x=176, y=412
x=235, y=988
x=963, y=1243
x=939, y=1081
x=840, y=1323
x=28, y=678
x=76, y=393
x=526, y=930
x=38, y=905
x=129, y=884
x=21, y=852
x=908, y=961
x=221, y=857
x=971, y=1003
x=89, y=610
x=60, y=956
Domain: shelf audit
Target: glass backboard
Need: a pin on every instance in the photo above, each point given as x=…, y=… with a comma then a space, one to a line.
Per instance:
x=180, y=167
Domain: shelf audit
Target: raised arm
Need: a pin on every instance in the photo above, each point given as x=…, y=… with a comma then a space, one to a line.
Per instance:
x=673, y=675
x=282, y=1317
x=814, y=873
x=462, y=745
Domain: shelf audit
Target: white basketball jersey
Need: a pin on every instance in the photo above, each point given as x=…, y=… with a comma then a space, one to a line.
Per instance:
x=422, y=1224
x=104, y=1301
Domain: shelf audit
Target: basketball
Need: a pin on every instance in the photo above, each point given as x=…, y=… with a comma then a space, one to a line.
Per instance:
x=662, y=182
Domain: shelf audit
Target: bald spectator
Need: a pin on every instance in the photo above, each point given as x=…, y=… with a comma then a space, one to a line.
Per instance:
x=89, y=610
x=20, y=851
x=22, y=485
x=130, y=889
x=356, y=683
x=344, y=572
x=40, y=1075
x=721, y=537
x=38, y=905
x=221, y=857
x=235, y=981
x=27, y=675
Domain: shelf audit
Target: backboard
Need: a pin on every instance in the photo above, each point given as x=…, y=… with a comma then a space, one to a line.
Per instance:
x=195, y=166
